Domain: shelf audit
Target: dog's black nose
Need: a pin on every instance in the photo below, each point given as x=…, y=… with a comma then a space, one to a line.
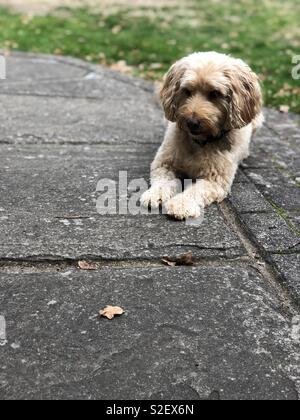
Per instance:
x=194, y=125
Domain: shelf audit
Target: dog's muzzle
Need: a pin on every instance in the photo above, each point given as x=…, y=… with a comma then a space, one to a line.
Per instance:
x=194, y=126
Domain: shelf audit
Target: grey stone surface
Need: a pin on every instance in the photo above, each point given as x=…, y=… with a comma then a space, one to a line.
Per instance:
x=285, y=125
x=289, y=265
x=41, y=120
x=276, y=151
x=28, y=68
x=52, y=100
x=170, y=343
x=38, y=208
x=274, y=169
x=32, y=177
x=90, y=85
x=226, y=328
x=246, y=198
x=36, y=68
x=271, y=232
x=26, y=236
x=294, y=217
x=279, y=189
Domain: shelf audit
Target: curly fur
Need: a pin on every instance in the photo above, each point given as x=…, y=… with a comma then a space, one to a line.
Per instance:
x=223, y=96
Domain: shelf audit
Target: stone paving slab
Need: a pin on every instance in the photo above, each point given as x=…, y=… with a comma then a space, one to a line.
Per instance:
x=36, y=172
x=169, y=344
x=278, y=144
x=279, y=189
x=41, y=120
x=271, y=232
x=286, y=125
x=289, y=265
x=89, y=85
x=38, y=69
x=63, y=69
x=248, y=199
x=38, y=209
x=44, y=109
x=42, y=237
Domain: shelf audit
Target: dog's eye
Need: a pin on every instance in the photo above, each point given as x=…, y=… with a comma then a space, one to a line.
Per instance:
x=187, y=92
x=215, y=94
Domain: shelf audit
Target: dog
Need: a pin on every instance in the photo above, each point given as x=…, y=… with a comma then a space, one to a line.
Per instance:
x=213, y=104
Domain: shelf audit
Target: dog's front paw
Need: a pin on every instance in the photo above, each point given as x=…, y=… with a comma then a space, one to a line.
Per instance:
x=183, y=208
x=156, y=195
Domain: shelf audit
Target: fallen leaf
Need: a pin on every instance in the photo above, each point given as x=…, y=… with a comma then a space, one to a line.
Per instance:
x=225, y=46
x=85, y=265
x=116, y=29
x=284, y=109
x=186, y=259
x=121, y=66
x=110, y=311
x=169, y=262
x=155, y=66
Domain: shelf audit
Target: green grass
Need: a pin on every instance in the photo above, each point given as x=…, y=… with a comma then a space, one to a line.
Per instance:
x=265, y=33
x=285, y=216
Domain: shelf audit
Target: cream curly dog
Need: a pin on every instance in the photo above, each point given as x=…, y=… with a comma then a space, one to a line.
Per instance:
x=213, y=104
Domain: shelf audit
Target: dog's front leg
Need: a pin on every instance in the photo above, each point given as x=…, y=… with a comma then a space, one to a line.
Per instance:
x=164, y=186
x=164, y=182
x=200, y=194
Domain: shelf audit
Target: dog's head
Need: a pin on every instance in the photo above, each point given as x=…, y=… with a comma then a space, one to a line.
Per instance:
x=209, y=93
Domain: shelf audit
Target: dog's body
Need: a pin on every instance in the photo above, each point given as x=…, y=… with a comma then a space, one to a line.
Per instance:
x=213, y=104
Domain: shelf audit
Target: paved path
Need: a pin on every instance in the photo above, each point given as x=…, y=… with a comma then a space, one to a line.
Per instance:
x=229, y=327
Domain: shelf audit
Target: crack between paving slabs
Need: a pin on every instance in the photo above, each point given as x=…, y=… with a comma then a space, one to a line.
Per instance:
x=261, y=260
x=40, y=264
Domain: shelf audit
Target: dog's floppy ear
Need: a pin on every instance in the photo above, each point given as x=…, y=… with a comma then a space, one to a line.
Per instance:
x=245, y=95
x=170, y=91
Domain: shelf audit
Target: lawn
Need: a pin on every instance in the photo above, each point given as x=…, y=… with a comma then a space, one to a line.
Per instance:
x=145, y=41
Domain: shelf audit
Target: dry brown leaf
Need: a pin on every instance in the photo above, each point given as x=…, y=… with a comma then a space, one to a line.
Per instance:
x=85, y=265
x=169, y=262
x=111, y=311
x=284, y=109
x=121, y=66
x=186, y=259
